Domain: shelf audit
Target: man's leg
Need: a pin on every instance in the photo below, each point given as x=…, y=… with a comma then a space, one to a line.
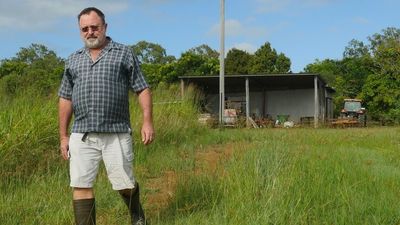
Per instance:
x=131, y=198
x=84, y=206
x=118, y=159
x=84, y=164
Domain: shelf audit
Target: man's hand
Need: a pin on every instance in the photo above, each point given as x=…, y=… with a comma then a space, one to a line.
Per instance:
x=64, y=147
x=145, y=103
x=64, y=114
x=147, y=133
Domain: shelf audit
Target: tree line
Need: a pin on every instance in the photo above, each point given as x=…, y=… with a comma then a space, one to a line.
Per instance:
x=203, y=60
x=370, y=71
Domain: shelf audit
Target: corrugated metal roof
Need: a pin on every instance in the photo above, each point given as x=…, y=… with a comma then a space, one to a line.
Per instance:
x=236, y=83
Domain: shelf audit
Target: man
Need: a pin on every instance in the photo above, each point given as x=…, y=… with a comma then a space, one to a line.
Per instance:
x=95, y=88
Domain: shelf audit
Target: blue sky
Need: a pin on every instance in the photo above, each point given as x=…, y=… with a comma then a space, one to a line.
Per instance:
x=304, y=30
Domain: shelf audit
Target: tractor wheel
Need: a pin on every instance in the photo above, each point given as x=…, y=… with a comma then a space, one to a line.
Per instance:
x=362, y=119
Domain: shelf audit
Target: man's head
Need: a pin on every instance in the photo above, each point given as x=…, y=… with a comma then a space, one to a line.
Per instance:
x=92, y=27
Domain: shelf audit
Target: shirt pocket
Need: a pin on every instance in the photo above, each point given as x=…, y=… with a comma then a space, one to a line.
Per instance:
x=109, y=70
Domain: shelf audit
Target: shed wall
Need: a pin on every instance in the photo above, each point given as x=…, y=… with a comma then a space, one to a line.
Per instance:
x=295, y=103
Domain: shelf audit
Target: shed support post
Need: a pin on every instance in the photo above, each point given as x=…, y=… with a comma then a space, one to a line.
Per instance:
x=316, y=102
x=263, y=103
x=247, y=102
x=182, y=89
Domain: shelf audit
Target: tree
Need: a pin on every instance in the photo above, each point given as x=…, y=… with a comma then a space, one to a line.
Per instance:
x=201, y=60
x=355, y=72
x=34, y=53
x=204, y=50
x=357, y=64
x=368, y=71
x=265, y=60
x=347, y=75
x=376, y=40
x=148, y=52
x=237, y=62
x=194, y=64
x=382, y=89
x=154, y=60
x=282, y=64
x=151, y=72
x=34, y=68
x=168, y=73
x=356, y=49
x=9, y=66
x=160, y=73
x=329, y=69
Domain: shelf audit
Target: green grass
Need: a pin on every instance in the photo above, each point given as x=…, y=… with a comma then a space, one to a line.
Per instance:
x=263, y=176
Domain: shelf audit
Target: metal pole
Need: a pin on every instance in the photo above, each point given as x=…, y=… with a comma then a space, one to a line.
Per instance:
x=222, y=66
x=247, y=102
x=316, y=102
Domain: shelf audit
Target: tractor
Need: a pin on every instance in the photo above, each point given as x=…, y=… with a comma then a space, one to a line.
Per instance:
x=352, y=114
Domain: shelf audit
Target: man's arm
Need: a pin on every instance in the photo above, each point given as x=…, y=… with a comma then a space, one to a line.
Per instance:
x=64, y=117
x=145, y=102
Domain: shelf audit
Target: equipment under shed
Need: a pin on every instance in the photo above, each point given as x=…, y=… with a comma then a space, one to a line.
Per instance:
x=296, y=97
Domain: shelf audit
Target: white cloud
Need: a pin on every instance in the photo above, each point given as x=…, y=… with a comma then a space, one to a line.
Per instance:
x=236, y=28
x=43, y=14
x=249, y=48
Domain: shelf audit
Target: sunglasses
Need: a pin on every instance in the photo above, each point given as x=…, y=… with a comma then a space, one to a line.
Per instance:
x=93, y=28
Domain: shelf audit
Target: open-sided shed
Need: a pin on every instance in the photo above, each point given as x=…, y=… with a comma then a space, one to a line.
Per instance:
x=302, y=97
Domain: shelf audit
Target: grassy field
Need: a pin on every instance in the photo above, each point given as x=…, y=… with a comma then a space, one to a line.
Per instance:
x=196, y=175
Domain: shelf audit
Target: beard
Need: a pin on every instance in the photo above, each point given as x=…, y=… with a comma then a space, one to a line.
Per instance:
x=94, y=42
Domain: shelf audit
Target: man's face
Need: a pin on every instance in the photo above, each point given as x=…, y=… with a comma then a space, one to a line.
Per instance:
x=93, y=31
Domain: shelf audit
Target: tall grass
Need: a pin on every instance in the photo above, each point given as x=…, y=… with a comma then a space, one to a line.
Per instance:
x=305, y=177
x=28, y=137
x=263, y=176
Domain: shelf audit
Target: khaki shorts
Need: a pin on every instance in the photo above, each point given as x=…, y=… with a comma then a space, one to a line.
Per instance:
x=85, y=155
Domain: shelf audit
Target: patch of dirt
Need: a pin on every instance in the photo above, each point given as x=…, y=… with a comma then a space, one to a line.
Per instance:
x=212, y=159
x=160, y=191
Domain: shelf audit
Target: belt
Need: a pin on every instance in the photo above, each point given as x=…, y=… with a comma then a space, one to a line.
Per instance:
x=85, y=136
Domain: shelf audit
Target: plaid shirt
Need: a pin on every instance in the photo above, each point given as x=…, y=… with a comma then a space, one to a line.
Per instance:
x=99, y=90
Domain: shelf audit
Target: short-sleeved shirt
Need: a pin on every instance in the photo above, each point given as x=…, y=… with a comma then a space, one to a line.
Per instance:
x=99, y=89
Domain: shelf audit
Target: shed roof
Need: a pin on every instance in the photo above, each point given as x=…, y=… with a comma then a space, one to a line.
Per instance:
x=236, y=83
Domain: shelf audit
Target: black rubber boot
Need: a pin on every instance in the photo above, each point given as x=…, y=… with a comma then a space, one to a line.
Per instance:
x=134, y=206
x=85, y=211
